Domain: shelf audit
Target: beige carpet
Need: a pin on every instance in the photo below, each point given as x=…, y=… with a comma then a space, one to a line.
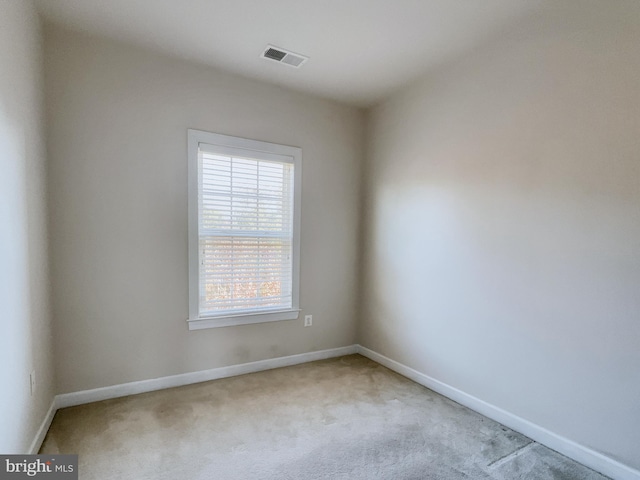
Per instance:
x=346, y=418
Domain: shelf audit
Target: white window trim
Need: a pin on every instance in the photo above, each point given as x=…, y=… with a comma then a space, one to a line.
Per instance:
x=195, y=320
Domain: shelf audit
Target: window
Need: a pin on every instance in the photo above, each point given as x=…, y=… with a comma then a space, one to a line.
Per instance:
x=244, y=230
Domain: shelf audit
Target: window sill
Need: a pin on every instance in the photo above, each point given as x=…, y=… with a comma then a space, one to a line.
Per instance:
x=242, y=319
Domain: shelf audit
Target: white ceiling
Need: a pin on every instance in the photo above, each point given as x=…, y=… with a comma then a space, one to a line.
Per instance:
x=360, y=50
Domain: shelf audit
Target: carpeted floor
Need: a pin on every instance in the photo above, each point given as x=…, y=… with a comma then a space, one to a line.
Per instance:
x=346, y=418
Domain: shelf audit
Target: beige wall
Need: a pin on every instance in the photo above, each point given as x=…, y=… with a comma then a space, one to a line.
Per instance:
x=25, y=341
x=117, y=136
x=503, y=224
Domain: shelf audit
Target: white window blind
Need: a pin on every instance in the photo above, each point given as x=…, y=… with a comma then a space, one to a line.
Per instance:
x=246, y=231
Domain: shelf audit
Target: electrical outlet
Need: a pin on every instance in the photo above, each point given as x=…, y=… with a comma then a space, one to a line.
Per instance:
x=308, y=320
x=32, y=381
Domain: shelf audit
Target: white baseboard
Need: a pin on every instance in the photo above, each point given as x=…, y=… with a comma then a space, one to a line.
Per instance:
x=132, y=388
x=44, y=428
x=569, y=448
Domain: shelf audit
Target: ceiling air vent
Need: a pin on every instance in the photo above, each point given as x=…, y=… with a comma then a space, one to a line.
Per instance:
x=281, y=55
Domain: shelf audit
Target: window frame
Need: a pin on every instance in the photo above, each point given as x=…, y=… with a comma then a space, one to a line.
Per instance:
x=196, y=321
